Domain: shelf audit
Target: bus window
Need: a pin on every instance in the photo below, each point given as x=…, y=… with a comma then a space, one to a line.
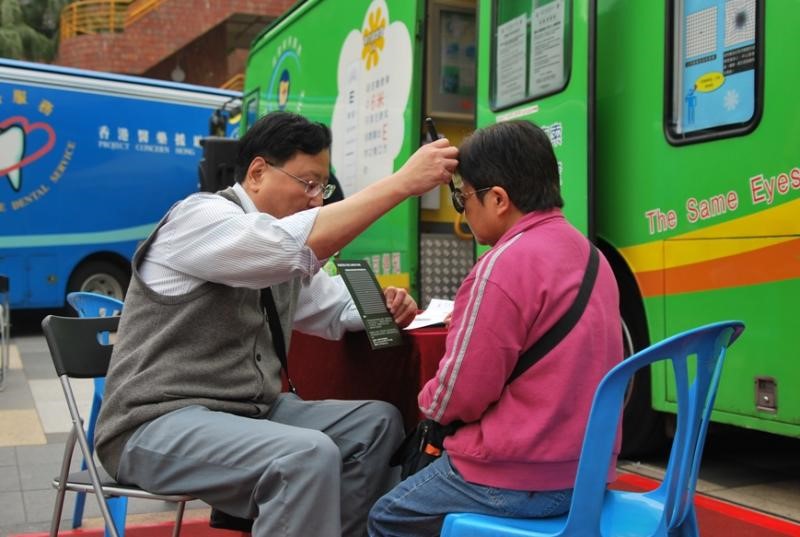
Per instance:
x=716, y=71
x=531, y=49
x=450, y=90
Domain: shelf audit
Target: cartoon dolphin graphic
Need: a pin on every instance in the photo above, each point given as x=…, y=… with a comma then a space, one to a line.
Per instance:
x=12, y=147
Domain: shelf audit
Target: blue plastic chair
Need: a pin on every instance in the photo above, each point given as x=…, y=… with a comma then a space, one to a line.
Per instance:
x=96, y=305
x=697, y=354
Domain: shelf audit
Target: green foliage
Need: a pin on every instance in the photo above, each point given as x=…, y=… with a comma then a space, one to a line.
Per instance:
x=29, y=28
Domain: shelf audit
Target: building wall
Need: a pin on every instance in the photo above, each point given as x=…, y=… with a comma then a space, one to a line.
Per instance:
x=204, y=61
x=189, y=33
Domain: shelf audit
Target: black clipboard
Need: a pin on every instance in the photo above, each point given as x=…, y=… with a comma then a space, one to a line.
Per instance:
x=381, y=329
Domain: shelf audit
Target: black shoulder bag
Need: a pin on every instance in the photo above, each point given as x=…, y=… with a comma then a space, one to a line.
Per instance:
x=425, y=443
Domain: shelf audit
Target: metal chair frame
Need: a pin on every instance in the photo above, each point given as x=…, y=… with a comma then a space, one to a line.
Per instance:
x=87, y=304
x=79, y=348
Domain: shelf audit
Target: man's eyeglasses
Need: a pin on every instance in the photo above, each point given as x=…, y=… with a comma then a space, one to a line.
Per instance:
x=458, y=197
x=313, y=189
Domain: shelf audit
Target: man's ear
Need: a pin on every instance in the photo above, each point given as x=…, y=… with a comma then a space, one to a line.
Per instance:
x=255, y=171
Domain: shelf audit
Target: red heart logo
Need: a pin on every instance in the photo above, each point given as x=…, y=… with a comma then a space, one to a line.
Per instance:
x=28, y=128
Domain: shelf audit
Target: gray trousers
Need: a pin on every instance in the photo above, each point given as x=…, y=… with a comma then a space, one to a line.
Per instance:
x=311, y=468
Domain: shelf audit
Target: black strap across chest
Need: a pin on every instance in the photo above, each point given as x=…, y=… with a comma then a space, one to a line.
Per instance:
x=278, y=343
x=567, y=322
x=269, y=308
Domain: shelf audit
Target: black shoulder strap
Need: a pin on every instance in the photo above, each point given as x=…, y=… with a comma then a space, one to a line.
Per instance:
x=558, y=331
x=268, y=303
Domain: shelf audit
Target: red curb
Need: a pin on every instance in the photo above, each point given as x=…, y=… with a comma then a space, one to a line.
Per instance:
x=770, y=524
x=714, y=516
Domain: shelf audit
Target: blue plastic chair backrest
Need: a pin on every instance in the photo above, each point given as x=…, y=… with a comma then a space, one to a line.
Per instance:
x=94, y=305
x=707, y=344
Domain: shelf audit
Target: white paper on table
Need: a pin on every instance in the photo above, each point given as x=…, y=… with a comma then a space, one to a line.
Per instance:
x=437, y=310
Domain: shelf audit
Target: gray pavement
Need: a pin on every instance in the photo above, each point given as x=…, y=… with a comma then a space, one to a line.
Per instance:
x=34, y=424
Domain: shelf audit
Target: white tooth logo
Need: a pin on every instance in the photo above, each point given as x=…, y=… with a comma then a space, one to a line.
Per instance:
x=12, y=146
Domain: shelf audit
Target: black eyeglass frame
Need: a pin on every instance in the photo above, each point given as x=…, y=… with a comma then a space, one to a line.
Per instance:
x=458, y=197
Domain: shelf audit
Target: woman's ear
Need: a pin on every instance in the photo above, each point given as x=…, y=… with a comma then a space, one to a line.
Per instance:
x=499, y=199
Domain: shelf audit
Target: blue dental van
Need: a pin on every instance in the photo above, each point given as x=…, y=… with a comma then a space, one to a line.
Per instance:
x=89, y=162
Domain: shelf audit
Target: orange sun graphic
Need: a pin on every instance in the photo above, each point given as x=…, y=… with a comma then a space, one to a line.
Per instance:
x=373, y=39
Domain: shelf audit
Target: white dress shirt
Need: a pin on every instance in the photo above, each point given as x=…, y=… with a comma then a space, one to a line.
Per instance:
x=208, y=238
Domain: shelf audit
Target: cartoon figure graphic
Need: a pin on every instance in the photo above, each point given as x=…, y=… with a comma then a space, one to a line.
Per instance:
x=283, y=90
x=691, y=103
x=15, y=133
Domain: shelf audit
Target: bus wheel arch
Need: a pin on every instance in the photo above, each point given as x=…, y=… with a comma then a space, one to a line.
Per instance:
x=104, y=273
x=643, y=429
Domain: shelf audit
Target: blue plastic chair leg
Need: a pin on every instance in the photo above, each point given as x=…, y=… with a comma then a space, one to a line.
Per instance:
x=118, y=507
x=77, y=514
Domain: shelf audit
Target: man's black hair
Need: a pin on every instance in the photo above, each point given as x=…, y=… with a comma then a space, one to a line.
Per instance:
x=279, y=136
x=515, y=155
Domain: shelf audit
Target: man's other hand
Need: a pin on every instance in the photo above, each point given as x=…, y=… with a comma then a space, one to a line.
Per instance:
x=401, y=305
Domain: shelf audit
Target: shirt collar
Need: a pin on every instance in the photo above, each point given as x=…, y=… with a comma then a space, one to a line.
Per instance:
x=247, y=203
x=529, y=221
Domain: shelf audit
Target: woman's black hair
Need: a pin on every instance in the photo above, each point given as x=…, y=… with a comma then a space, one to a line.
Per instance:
x=518, y=156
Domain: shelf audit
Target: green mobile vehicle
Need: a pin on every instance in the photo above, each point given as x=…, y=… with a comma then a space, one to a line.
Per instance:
x=678, y=136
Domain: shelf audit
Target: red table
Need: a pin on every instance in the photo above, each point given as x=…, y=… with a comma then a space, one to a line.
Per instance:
x=350, y=369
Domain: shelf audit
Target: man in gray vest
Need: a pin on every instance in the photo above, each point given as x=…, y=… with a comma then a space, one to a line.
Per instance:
x=193, y=400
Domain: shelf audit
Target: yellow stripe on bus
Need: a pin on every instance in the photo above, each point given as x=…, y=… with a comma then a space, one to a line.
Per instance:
x=773, y=226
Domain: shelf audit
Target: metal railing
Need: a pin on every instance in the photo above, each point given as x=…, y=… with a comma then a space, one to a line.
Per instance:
x=139, y=9
x=236, y=82
x=89, y=17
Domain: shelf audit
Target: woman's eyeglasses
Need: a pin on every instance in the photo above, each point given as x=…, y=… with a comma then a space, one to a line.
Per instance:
x=458, y=197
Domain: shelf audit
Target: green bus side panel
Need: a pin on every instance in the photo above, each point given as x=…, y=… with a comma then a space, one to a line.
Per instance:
x=639, y=171
x=759, y=355
x=354, y=66
x=711, y=228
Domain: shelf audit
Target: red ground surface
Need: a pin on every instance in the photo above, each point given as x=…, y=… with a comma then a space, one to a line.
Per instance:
x=716, y=519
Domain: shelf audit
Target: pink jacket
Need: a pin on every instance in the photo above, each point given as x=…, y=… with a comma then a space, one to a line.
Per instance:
x=527, y=435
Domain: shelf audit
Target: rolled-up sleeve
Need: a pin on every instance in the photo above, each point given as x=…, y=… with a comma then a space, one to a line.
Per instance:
x=210, y=238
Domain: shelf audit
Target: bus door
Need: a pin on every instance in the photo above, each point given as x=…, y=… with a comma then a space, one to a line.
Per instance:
x=536, y=61
x=446, y=246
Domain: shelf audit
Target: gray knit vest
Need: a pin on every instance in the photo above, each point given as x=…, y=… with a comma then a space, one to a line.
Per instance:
x=209, y=347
